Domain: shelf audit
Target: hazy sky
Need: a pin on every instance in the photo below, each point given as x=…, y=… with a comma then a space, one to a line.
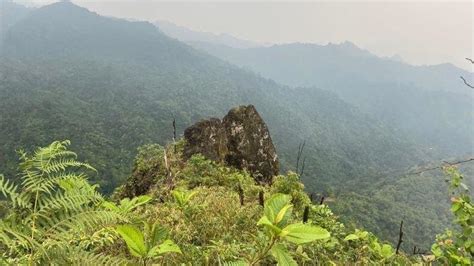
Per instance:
x=421, y=32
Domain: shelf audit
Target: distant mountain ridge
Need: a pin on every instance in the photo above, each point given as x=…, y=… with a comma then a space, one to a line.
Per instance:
x=128, y=73
x=429, y=103
x=189, y=36
x=11, y=13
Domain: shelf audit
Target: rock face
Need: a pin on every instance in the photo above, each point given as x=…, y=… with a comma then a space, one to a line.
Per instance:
x=207, y=137
x=241, y=140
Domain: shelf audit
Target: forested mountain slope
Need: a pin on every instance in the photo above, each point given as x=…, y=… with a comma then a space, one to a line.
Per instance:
x=111, y=85
x=429, y=103
x=10, y=13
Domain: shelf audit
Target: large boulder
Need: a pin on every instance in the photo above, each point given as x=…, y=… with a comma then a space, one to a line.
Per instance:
x=241, y=140
x=207, y=137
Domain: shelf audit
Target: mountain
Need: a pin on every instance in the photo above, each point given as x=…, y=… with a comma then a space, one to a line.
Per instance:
x=428, y=103
x=186, y=35
x=122, y=82
x=11, y=13
x=111, y=85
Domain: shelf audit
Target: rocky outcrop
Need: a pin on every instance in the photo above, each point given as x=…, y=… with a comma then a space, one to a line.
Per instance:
x=207, y=137
x=241, y=140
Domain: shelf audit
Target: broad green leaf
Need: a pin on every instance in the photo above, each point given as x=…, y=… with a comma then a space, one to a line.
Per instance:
x=140, y=200
x=265, y=222
x=283, y=216
x=166, y=247
x=303, y=233
x=127, y=205
x=274, y=205
x=455, y=206
x=351, y=237
x=134, y=239
x=282, y=256
x=386, y=251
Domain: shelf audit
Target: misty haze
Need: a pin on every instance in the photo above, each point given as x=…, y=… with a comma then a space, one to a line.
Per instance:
x=236, y=133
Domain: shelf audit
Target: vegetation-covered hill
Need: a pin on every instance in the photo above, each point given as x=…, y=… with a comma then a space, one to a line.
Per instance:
x=112, y=85
x=198, y=212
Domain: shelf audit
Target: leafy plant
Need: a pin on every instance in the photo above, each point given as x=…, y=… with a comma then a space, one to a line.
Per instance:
x=457, y=246
x=49, y=208
x=150, y=244
x=126, y=205
x=183, y=197
x=276, y=221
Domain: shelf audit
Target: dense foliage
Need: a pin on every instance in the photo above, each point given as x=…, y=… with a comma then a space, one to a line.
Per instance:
x=211, y=214
x=457, y=246
x=54, y=216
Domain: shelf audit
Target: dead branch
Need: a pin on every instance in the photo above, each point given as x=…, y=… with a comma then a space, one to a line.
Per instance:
x=445, y=163
x=298, y=156
x=305, y=214
x=261, y=198
x=169, y=174
x=418, y=251
x=463, y=79
x=311, y=197
x=241, y=195
x=321, y=201
x=302, y=168
x=465, y=82
x=174, y=134
x=400, y=237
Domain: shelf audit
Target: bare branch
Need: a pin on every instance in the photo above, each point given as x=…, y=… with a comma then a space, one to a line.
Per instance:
x=174, y=134
x=298, y=156
x=322, y=200
x=241, y=195
x=302, y=167
x=261, y=198
x=445, y=163
x=463, y=79
x=400, y=237
x=305, y=214
x=465, y=82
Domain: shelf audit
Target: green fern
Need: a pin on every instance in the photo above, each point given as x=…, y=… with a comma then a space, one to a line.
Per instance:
x=50, y=206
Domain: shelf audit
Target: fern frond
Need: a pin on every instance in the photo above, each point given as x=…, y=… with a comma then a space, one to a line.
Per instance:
x=66, y=203
x=11, y=236
x=76, y=256
x=84, y=221
x=9, y=190
x=89, y=258
x=48, y=185
x=62, y=164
